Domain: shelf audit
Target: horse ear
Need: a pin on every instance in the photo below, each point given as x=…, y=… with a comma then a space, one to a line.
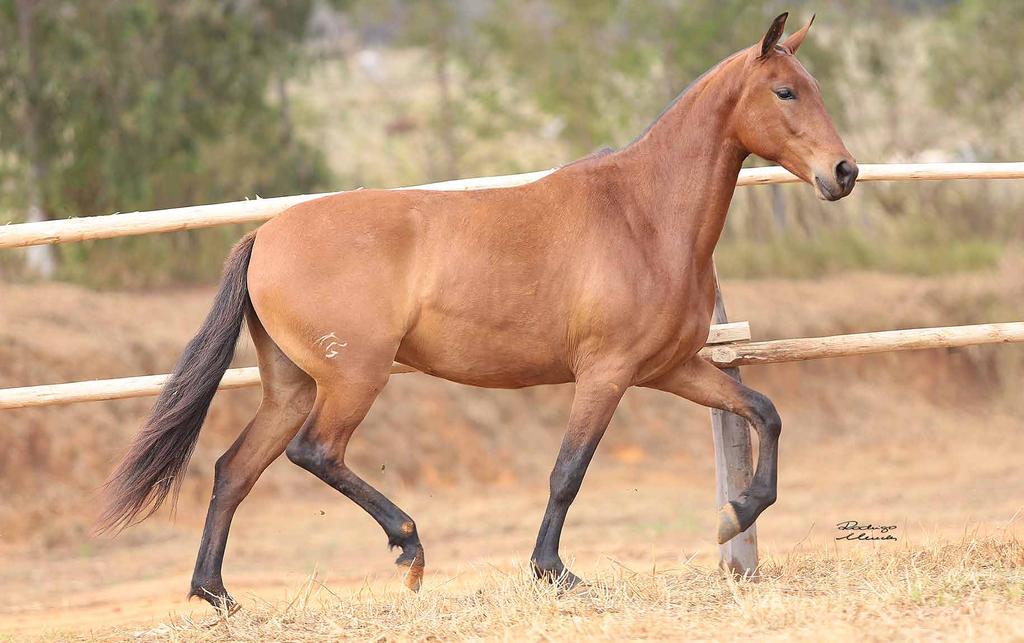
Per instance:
x=772, y=36
x=793, y=42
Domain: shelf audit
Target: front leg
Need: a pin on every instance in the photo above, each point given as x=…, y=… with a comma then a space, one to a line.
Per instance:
x=700, y=381
x=597, y=395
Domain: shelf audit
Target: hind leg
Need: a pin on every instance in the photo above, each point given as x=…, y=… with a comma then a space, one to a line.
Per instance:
x=320, y=449
x=288, y=395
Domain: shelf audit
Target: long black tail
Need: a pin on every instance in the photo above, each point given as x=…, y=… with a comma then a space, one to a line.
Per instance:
x=155, y=464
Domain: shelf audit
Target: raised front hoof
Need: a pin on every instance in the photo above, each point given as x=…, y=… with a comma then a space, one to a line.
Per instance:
x=728, y=523
x=558, y=575
x=413, y=560
x=216, y=596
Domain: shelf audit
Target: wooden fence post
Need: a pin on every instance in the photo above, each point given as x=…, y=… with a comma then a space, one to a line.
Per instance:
x=733, y=468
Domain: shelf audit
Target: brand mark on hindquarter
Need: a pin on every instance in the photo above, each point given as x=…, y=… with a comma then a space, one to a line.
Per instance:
x=330, y=344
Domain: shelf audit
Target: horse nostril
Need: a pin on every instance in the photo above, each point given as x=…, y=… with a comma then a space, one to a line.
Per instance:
x=846, y=173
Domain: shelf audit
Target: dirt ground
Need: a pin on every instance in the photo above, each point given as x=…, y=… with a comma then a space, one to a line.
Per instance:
x=927, y=441
x=620, y=524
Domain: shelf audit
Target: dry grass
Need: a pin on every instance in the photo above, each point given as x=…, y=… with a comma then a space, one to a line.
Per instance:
x=967, y=589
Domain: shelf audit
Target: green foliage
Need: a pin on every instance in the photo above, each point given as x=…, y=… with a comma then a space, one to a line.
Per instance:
x=977, y=69
x=143, y=104
x=611, y=66
x=159, y=103
x=912, y=249
x=593, y=73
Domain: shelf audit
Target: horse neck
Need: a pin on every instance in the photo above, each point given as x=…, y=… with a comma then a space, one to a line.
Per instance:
x=683, y=170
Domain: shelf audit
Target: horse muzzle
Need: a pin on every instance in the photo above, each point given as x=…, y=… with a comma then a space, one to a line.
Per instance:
x=839, y=184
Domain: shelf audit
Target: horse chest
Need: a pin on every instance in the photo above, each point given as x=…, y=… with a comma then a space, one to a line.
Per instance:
x=651, y=325
x=671, y=324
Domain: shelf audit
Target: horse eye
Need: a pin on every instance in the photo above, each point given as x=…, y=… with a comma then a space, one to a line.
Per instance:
x=785, y=93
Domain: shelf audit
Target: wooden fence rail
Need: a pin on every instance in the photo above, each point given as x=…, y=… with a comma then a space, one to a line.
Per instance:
x=805, y=348
x=727, y=348
x=146, y=385
x=201, y=216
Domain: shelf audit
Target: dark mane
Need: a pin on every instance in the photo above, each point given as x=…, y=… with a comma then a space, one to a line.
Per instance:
x=601, y=153
x=679, y=97
x=605, y=151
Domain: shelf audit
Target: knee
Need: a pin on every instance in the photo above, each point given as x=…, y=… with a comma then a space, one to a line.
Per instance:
x=765, y=417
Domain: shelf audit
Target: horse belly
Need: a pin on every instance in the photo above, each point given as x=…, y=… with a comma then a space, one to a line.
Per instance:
x=476, y=353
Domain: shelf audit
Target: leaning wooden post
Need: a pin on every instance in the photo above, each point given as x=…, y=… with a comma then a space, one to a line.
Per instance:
x=733, y=467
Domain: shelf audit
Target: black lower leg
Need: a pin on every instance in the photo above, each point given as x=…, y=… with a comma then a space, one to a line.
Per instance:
x=700, y=381
x=397, y=525
x=207, y=582
x=234, y=475
x=592, y=409
x=763, y=488
x=565, y=483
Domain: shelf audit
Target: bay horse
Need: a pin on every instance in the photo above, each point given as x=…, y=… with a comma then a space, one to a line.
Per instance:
x=599, y=273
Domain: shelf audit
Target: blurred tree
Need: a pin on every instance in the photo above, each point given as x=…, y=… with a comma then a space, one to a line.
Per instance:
x=440, y=29
x=977, y=70
x=604, y=69
x=590, y=74
x=40, y=259
x=115, y=105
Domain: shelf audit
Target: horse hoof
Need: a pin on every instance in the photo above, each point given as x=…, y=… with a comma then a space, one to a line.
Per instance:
x=567, y=581
x=415, y=562
x=728, y=523
x=216, y=597
x=562, y=578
